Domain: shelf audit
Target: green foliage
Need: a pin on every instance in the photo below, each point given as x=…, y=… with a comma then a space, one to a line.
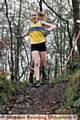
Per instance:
x=72, y=93
x=61, y=78
x=74, y=64
x=8, y=88
x=20, y=85
x=61, y=29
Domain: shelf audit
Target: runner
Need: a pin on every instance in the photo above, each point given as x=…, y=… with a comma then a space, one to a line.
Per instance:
x=37, y=35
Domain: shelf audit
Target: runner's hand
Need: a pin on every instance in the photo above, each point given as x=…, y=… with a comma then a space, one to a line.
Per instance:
x=46, y=33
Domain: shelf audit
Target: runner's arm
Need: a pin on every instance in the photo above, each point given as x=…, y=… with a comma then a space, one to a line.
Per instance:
x=49, y=26
x=24, y=34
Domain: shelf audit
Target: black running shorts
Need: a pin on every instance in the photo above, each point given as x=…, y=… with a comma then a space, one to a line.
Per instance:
x=38, y=47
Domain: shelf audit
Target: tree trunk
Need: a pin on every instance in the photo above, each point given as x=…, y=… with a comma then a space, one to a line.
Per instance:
x=76, y=16
x=10, y=28
x=40, y=5
x=18, y=46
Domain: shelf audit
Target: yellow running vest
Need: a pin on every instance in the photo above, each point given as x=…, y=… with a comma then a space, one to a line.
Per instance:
x=37, y=33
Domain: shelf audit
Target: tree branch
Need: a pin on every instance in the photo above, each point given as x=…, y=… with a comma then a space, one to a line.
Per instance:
x=67, y=22
x=54, y=12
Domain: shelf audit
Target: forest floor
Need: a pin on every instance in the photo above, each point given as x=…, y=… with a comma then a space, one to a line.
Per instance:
x=46, y=99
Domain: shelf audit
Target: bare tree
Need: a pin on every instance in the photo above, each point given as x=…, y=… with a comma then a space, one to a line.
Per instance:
x=11, y=38
x=76, y=16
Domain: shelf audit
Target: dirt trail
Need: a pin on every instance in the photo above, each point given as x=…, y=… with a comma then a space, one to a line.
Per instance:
x=46, y=99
